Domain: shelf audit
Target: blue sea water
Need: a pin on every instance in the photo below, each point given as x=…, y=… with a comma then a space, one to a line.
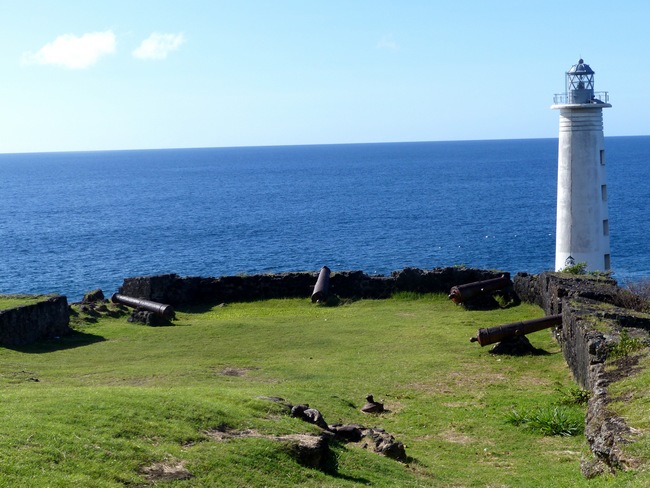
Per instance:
x=72, y=222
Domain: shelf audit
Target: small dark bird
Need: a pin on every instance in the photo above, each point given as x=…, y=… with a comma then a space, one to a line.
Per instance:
x=372, y=406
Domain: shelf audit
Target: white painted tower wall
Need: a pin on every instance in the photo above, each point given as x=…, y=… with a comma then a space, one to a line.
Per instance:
x=582, y=231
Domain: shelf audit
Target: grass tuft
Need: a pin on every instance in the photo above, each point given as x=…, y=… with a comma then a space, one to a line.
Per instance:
x=625, y=346
x=572, y=395
x=560, y=421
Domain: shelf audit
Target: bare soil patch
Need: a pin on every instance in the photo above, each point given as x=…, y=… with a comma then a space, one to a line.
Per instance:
x=166, y=471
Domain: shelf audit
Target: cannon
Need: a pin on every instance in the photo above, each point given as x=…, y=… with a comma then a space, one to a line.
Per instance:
x=166, y=311
x=463, y=293
x=514, y=329
x=321, y=287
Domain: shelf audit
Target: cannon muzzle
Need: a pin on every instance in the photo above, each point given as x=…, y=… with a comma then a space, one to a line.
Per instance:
x=501, y=332
x=161, y=309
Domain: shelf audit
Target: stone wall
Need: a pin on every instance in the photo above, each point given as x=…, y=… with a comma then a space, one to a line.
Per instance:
x=549, y=290
x=26, y=324
x=180, y=291
x=594, y=311
x=584, y=302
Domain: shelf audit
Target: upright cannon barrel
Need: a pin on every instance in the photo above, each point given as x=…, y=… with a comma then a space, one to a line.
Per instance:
x=515, y=329
x=468, y=291
x=321, y=288
x=161, y=309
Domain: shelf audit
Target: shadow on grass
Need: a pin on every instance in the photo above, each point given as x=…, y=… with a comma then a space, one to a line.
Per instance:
x=199, y=308
x=76, y=339
x=331, y=466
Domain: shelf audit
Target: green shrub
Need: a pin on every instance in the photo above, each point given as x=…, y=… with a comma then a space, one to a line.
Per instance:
x=575, y=269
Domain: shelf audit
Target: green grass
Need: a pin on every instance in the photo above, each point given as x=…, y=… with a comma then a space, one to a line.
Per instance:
x=631, y=402
x=12, y=301
x=95, y=408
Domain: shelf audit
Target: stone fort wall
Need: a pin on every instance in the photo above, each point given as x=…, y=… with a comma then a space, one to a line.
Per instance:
x=26, y=324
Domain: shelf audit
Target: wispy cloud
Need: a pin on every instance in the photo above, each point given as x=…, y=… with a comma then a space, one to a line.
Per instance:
x=158, y=46
x=388, y=43
x=74, y=52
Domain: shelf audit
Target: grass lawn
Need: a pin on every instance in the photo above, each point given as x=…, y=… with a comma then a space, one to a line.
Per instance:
x=11, y=301
x=103, y=406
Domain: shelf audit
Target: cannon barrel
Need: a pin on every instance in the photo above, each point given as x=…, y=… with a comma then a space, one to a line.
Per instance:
x=501, y=332
x=463, y=293
x=166, y=311
x=321, y=287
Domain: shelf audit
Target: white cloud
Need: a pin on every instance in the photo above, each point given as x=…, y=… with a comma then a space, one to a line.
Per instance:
x=158, y=46
x=388, y=43
x=74, y=52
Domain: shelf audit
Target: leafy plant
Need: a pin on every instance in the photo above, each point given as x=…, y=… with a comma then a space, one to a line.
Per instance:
x=572, y=395
x=575, y=269
x=625, y=346
x=549, y=421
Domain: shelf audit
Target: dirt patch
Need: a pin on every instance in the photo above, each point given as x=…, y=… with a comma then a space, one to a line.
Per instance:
x=227, y=434
x=230, y=371
x=459, y=404
x=19, y=376
x=167, y=471
x=456, y=437
x=623, y=368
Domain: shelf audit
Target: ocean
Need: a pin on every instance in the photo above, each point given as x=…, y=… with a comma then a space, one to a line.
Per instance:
x=73, y=222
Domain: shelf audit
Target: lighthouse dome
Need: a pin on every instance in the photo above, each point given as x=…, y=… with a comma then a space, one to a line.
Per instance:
x=580, y=69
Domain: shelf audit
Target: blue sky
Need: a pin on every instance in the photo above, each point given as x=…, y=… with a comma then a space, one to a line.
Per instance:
x=139, y=74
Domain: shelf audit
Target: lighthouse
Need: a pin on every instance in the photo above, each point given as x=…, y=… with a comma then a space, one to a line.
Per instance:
x=582, y=227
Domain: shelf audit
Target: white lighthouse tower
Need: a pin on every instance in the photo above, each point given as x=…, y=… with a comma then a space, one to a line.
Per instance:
x=582, y=228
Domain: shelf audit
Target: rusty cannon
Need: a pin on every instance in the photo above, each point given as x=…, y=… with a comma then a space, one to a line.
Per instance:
x=515, y=329
x=463, y=293
x=321, y=288
x=166, y=311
